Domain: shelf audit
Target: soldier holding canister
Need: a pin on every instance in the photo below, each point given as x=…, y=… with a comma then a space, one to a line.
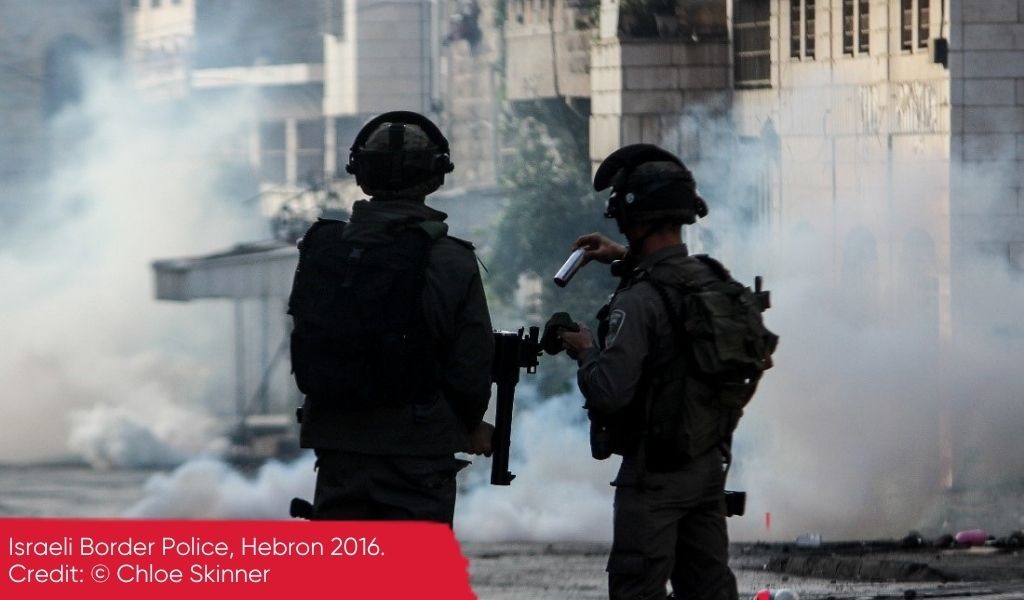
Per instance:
x=656, y=391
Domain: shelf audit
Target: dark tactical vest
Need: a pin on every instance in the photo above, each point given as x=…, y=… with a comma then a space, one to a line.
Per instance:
x=359, y=340
x=691, y=401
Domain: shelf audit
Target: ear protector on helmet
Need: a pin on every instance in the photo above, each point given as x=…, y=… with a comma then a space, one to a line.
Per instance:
x=672, y=193
x=398, y=167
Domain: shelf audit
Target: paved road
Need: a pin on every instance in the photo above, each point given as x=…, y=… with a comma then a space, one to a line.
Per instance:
x=569, y=571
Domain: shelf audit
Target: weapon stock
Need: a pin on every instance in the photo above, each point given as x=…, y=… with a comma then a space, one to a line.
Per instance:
x=512, y=352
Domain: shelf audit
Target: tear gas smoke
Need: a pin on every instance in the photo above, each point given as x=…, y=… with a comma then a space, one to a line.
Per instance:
x=846, y=434
x=559, y=493
x=88, y=355
x=210, y=489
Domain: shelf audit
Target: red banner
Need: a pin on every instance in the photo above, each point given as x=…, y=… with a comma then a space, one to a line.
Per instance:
x=112, y=559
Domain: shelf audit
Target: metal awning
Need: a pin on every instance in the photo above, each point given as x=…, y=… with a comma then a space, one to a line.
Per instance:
x=251, y=270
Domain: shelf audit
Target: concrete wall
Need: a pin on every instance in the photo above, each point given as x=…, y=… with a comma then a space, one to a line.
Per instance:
x=159, y=43
x=863, y=150
x=547, y=51
x=642, y=88
x=470, y=79
x=987, y=65
x=340, y=65
x=382, y=60
x=393, y=56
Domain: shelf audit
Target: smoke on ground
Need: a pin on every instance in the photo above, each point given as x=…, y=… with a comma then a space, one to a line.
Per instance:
x=559, y=492
x=211, y=489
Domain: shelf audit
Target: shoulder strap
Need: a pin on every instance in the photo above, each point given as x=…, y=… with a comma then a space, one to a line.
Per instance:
x=718, y=268
x=435, y=229
x=311, y=233
x=464, y=243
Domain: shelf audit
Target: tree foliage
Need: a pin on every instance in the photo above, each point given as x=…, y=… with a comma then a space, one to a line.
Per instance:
x=551, y=203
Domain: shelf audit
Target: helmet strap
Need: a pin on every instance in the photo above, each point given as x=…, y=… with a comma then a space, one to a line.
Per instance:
x=636, y=246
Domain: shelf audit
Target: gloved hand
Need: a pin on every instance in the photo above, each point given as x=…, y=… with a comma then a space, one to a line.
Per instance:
x=550, y=341
x=480, y=439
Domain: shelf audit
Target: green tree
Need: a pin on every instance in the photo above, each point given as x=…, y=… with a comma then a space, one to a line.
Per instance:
x=551, y=203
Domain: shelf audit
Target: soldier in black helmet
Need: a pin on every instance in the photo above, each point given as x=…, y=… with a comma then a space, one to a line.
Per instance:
x=392, y=343
x=645, y=398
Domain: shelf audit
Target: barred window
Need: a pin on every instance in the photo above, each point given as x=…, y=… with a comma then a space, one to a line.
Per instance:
x=752, y=43
x=864, y=30
x=856, y=27
x=272, y=152
x=801, y=28
x=849, y=24
x=309, y=153
x=794, y=28
x=809, y=28
x=923, y=23
x=907, y=24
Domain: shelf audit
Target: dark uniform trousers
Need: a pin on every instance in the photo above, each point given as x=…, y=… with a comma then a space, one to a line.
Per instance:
x=671, y=526
x=353, y=486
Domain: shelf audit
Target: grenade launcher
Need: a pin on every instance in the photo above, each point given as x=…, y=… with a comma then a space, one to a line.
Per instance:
x=512, y=351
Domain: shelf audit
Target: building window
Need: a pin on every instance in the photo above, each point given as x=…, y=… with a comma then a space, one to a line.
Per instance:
x=907, y=24
x=794, y=28
x=923, y=23
x=809, y=28
x=272, y=152
x=856, y=27
x=801, y=28
x=864, y=30
x=752, y=43
x=309, y=159
x=915, y=33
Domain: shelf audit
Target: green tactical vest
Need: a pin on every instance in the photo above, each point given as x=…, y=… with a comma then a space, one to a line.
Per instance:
x=692, y=402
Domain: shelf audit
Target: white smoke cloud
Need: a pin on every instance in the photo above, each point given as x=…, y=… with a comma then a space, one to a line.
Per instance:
x=559, y=493
x=160, y=434
x=845, y=435
x=89, y=356
x=211, y=489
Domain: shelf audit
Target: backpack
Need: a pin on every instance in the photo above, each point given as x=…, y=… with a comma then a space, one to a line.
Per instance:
x=359, y=340
x=695, y=401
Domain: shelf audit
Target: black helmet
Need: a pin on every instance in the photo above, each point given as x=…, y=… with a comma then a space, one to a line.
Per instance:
x=399, y=151
x=649, y=184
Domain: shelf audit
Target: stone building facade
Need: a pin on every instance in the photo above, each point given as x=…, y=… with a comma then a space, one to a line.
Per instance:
x=987, y=130
x=886, y=131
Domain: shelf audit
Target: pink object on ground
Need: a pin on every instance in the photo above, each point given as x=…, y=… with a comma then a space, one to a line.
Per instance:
x=972, y=537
